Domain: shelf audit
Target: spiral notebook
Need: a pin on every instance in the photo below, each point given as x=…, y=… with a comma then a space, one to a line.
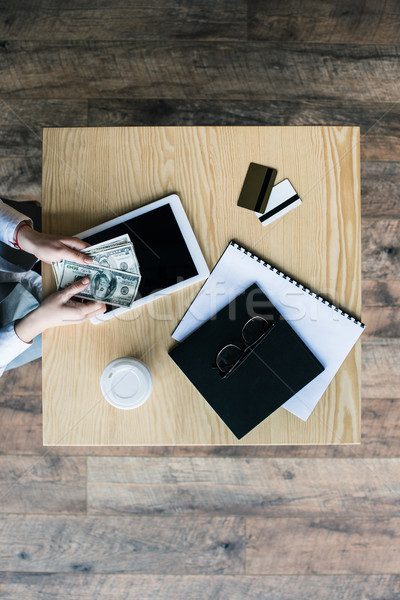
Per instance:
x=328, y=332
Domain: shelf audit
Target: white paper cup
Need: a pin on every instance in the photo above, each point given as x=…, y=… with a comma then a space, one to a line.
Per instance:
x=126, y=383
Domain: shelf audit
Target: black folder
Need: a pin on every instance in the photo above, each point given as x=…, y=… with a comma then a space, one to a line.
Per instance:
x=271, y=371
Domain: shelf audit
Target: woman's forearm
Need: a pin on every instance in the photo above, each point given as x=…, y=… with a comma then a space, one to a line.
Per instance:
x=29, y=326
x=26, y=238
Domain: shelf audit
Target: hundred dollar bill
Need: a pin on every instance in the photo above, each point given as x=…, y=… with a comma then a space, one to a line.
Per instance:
x=122, y=258
x=117, y=241
x=111, y=257
x=111, y=286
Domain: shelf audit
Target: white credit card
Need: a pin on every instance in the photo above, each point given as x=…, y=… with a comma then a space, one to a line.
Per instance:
x=283, y=198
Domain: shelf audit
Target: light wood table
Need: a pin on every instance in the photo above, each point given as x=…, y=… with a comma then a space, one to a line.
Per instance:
x=91, y=175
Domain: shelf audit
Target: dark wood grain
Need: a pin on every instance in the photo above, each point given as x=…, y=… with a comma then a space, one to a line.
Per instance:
x=279, y=487
x=84, y=586
x=22, y=120
x=380, y=188
x=336, y=545
x=380, y=248
x=21, y=178
x=173, y=545
x=380, y=373
x=359, y=21
x=25, y=381
x=381, y=308
x=20, y=423
x=42, y=484
x=234, y=70
x=379, y=122
x=378, y=293
x=123, y=19
x=383, y=322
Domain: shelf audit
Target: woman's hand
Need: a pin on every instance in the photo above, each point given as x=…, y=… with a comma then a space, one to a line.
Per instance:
x=59, y=309
x=52, y=248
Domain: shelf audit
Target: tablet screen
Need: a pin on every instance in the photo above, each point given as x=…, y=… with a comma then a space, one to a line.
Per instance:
x=164, y=259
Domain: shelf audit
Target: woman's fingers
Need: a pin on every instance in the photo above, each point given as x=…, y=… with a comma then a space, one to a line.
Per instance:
x=76, y=256
x=85, y=316
x=98, y=311
x=74, y=289
x=90, y=307
x=71, y=249
x=76, y=243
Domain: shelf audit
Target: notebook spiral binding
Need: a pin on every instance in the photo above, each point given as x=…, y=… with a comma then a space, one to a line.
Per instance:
x=297, y=284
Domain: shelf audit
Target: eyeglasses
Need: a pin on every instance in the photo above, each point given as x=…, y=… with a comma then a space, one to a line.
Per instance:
x=231, y=355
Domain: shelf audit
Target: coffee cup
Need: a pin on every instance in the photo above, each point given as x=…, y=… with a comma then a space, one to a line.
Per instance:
x=126, y=383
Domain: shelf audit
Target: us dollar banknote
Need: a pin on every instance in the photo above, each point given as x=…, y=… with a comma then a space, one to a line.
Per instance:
x=122, y=258
x=111, y=286
x=114, y=273
x=117, y=241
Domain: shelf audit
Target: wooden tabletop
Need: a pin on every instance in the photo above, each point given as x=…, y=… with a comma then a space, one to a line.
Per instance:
x=91, y=175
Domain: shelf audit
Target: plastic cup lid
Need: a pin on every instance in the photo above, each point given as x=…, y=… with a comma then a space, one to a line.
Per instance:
x=126, y=383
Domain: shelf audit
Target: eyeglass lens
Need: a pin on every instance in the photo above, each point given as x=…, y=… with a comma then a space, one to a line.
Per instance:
x=254, y=329
x=228, y=357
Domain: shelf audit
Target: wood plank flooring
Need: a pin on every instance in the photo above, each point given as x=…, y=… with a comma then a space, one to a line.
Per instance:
x=329, y=21
x=83, y=586
x=186, y=69
x=194, y=523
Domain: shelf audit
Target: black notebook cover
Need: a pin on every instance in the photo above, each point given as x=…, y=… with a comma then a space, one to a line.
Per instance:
x=277, y=368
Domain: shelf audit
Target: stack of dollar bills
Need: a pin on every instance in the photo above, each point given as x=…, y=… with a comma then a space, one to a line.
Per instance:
x=114, y=274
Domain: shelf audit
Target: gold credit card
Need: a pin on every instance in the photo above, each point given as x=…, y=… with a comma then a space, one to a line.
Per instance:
x=257, y=187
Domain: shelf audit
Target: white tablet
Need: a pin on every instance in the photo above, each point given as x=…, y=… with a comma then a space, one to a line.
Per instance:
x=168, y=253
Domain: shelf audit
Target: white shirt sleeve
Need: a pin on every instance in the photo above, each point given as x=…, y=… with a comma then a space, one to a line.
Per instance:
x=9, y=220
x=10, y=346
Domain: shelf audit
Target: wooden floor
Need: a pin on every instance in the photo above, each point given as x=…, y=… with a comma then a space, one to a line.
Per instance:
x=304, y=523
